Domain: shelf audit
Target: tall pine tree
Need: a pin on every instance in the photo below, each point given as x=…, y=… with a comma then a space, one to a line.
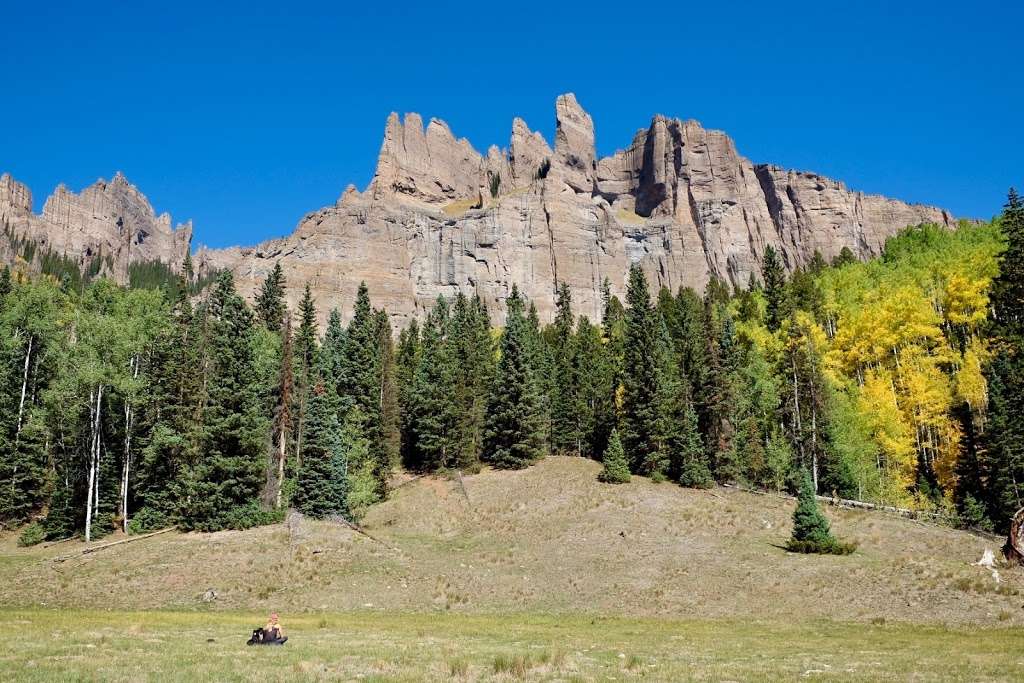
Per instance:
x=513, y=436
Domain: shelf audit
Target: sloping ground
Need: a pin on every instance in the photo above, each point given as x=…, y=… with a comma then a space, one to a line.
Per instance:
x=546, y=539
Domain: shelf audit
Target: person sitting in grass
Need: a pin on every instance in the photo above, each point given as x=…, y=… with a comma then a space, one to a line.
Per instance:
x=273, y=630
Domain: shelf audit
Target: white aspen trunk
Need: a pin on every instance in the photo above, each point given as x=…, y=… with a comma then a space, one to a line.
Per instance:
x=128, y=415
x=93, y=461
x=24, y=386
x=814, y=446
x=796, y=405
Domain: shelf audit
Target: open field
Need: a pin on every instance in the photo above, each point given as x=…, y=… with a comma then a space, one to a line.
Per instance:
x=548, y=539
x=544, y=570
x=45, y=645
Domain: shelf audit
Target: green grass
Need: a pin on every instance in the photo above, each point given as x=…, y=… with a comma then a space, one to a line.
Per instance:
x=45, y=645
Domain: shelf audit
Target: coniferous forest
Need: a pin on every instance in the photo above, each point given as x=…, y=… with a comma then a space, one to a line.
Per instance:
x=173, y=401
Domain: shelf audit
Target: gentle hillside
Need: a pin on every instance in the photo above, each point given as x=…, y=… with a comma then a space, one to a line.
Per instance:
x=546, y=539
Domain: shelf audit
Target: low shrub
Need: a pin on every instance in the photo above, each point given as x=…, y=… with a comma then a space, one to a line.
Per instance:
x=831, y=546
x=251, y=515
x=33, y=534
x=148, y=519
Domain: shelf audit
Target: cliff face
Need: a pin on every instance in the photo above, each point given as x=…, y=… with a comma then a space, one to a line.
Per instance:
x=112, y=219
x=439, y=218
x=680, y=201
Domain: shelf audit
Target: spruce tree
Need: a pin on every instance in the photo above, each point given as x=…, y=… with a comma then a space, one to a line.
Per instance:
x=688, y=457
x=361, y=379
x=408, y=361
x=593, y=387
x=436, y=405
x=387, y=401
x=616, y=469
x=811, y=532
x=513, y=435
x=565, y=424
x=609, y=370
x=270, y=304
x=642, y=396
x=470, y=343
x=774, y=278
x=306, y=359
x=1003, y=458
x=322, y=487
x=228, y=474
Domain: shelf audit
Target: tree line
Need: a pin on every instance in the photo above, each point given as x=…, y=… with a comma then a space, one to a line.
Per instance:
x=897, y=380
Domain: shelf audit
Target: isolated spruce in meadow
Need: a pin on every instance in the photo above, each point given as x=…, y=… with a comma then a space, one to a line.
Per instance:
x=616, y=469
x=811, y=532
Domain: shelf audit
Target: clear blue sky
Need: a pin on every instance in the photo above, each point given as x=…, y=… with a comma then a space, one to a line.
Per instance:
x=246, y=117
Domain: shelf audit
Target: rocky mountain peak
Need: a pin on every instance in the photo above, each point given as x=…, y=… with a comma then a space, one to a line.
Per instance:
x=439, y=218
x=109, y=218
x=574, y=143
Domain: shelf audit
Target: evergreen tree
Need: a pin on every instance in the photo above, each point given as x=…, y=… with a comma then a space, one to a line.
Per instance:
x=363, y=378
x=565, y=423
x=436, y=405
x=322, y=488
x=609, y=370
x=513, y=435
x=228, y=475
x=811, y=532
x=306, y=358
x=616, y=469
x=718, y=400
x=689, y=460
x=408, y=361
x=774, y=277
x=472, y=358
x=331, y=364
x=270, y=304
x=593, y=389
x=642, y=396
x=388, y=404
x=1004, y=439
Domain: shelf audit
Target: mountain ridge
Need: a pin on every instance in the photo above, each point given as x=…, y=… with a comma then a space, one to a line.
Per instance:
x=439, y=217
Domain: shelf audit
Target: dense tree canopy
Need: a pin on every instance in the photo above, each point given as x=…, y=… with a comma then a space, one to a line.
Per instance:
x=896, y=380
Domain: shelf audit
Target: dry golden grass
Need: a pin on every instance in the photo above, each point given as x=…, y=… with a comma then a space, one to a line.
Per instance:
x=549, y=539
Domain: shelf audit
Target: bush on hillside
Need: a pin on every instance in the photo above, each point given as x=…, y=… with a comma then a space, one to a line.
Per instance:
x=33, y=534
x=811, y=533
x=616, y=470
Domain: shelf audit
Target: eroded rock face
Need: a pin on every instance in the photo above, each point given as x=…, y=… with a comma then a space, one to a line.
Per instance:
x=112, y=220
x=680, y=201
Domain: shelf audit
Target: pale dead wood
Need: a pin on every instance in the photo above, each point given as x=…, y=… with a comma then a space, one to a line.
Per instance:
x=86, y=551
x=359, y=530
x=462, y=486
x=409, y=481
x=1014, y=547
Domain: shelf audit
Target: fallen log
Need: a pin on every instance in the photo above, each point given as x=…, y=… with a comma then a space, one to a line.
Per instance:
x=359, y=530
x=95, y=548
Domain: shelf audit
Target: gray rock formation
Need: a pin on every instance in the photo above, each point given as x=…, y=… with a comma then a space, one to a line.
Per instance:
x=679, y=200
x=112, y=220
x=438, y=218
